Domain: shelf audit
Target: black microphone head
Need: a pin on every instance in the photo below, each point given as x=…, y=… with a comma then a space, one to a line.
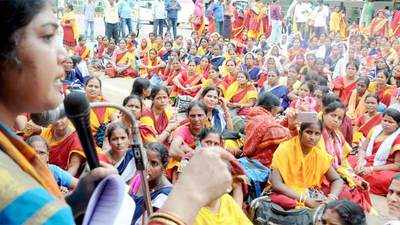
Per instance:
x=76, y=104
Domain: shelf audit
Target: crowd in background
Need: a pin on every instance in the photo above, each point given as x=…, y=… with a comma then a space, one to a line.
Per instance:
x=307, y=102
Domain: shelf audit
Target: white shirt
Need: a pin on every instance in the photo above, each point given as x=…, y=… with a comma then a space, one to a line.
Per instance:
x=301, y=12
x=159, y=11
x=321, y=16
x=111, y=12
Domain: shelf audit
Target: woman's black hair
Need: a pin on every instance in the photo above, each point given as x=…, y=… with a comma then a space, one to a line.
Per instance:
x=306, y=125
x=394, y=113
x=76, y=59
x=333, y=106
x=161, y=150
x=323, y=88
x=37, y=138
x=206, y=131
x=139, y=85
x=70, y=7
x=246, y=74
x=329, y=98
x=309, y=85
x=128, y=98
x=92, y=78
x=113, y=126
x=348, y=212
x=364, y=79
x=197, y=103
x=268, y=101
x=156, y=89
x=353, y=63
x=210, y=88
x=387, y=73
x=15, y=15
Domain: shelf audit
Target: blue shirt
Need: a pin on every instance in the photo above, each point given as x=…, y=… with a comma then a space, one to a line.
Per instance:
x=217, y=10
x=172, y=9
x=125, y=9
x=89, y=11
x=62, y=177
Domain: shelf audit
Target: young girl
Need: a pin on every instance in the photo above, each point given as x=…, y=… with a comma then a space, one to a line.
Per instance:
x=305, y=101
x=120, y=155
x=159, y=185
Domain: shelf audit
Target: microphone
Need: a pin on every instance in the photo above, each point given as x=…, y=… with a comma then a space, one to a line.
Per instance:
x=46, y=118
x=77, y=109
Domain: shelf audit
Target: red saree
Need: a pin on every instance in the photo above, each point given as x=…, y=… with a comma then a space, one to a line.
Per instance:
x=395, y=25
x=187, y=81
x=61, y=150
x=385, y=95
x=344, y=89
x=263, y=135
x=379, y=181
x=365, y=126
x=83, y=52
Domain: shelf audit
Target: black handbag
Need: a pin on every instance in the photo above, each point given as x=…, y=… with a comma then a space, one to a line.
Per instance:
x=265, y=212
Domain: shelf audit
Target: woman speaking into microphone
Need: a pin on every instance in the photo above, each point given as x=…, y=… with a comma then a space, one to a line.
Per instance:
x=30, y=82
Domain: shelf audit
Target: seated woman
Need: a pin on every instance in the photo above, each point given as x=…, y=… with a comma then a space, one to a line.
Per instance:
x=343, y=212
x=384, y=91
x=356, y=106
x=274, y=87
x=62, y=177
x=241, y=94
x=159, y=117
x=214, y=79
x=157, y=156
x=165, y=52
x=333, y=141
x=120, y=155
x=305, y=101
x=65, y=149
x=187, y=82
x=250, y=67
x=98, y=116
x=151, y=65
x=263, y=131
x=229, y=72
x=227, y=209
x=184, y=137
x=379, y=155
x=81, y=49
x=204, y=67
x=344, y=85
x=172, y=70
x=365, y=122
x=123, y=62
x=217, y=110
x=299, y=166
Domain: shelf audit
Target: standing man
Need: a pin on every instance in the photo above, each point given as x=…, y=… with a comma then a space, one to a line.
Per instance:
x=320, y=16
x=276, y=16
x=301, y=13
x=172, y=8
x=111, y=20
x=159, y=17
x=125, y=13
x=217, y=10
x=367, y=13
x=89, y=13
